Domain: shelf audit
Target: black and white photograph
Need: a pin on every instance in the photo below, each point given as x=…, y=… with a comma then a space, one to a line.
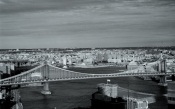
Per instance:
x=87, y=54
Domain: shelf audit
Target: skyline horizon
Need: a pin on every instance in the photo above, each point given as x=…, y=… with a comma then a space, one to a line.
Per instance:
x=91, y=47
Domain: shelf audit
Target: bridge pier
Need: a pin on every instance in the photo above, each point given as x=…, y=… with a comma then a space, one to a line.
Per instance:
x=46, y=90
x=162, y=81
x=162, y=68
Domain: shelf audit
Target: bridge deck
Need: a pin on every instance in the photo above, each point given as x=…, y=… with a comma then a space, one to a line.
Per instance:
x=50, y=73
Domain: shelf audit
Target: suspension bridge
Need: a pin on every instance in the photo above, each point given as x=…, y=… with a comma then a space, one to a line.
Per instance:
x=46, y=73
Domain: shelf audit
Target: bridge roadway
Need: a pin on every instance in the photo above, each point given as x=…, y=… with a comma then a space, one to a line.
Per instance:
x=51, y=73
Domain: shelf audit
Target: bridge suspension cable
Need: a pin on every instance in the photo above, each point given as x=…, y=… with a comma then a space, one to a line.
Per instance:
x=49, y=72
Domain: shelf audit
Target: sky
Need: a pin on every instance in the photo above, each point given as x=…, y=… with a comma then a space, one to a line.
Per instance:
x=86, y=23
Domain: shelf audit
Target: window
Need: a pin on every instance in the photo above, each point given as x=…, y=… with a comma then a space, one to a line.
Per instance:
x=171, y=98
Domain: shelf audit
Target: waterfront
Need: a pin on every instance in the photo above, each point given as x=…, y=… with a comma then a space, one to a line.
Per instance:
x=77, y=93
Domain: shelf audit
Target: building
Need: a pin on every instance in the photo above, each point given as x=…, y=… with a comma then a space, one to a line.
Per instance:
x=1, y=73
x=132, y=65
x=5, y=69
x=107, y=98
x=171, y=95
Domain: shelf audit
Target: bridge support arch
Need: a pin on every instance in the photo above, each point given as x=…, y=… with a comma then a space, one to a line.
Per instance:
x=46, y=90
x=162, y=81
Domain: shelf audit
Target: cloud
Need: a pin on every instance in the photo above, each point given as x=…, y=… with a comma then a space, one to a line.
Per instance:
x=13, y=6
x=86, y=23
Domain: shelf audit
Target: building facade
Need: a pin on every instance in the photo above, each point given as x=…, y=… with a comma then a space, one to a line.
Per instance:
x=171, y=95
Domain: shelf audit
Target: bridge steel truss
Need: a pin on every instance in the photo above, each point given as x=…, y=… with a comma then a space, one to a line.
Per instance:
x=51, y=73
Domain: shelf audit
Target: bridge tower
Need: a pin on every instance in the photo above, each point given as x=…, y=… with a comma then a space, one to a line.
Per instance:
x=46, y=90
x=162, y=69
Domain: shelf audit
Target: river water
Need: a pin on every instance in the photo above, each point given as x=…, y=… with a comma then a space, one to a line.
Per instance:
x=77, y=93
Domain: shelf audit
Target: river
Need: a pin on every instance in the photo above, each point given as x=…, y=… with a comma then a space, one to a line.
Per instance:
x=77, y=93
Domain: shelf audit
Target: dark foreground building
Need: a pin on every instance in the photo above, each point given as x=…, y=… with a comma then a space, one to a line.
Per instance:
x=100, y=101
x=6, y=98
x=171, y=95
x=107, y=98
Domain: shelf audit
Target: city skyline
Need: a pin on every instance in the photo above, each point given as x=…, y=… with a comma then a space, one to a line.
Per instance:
x=86, y=24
